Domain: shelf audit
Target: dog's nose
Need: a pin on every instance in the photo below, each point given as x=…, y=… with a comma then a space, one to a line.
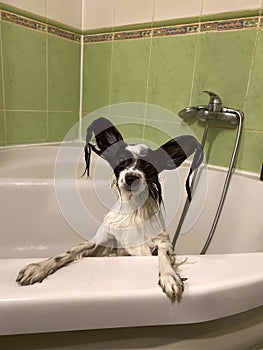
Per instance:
x=130, y=178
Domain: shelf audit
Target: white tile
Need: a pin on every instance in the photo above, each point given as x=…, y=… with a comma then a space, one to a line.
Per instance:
x=172, y=9
x=215, y=6
x=133, y=11
x=65, y=11
x=98, y=14
x=35, y=6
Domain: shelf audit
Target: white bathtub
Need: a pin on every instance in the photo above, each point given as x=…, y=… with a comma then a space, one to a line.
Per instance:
x=224, y=291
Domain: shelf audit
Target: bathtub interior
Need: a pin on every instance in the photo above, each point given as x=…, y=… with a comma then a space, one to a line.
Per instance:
x=40, y=229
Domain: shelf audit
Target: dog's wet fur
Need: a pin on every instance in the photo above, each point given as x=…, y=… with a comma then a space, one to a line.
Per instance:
x=135, y=226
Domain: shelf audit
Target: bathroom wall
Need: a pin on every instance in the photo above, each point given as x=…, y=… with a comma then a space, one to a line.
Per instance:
x=163, y=52
x=39, y=69
x=166, y=52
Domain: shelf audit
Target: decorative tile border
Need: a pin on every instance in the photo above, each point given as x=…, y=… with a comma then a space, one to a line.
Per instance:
x=136, y=34
x=165, y=31
x=39, y=26
x=175, y=30
x=63, y=33
x=22, y=21
x=96, y=38
x=241, y=23
x=162, y=31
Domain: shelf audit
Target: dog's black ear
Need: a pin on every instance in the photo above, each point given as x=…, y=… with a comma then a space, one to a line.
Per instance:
x=174, y=152
x=106, y=135
x=105, y=132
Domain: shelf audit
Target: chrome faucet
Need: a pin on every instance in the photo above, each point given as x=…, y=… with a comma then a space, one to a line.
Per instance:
x=213, y=111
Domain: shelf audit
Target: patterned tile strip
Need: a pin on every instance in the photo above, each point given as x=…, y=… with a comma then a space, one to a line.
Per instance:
x=175, y=30
x=98, y=38
x=136, y=34
x=234, y=24
x=230, y=25
x=22, y=21
x=64, y=34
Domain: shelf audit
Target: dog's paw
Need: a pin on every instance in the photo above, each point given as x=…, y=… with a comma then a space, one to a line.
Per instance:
x=172, y=285
x=32, y=273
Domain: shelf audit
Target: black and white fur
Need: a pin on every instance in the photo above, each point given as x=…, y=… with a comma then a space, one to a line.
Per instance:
x=135, y=225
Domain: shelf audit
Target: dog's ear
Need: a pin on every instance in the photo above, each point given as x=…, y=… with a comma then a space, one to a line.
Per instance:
x=106, y=135
x=174, y=152
x=105, y=132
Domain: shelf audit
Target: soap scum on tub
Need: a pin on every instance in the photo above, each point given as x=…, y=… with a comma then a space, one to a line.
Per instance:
x=135, y=224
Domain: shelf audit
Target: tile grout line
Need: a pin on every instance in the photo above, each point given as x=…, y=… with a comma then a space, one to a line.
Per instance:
x=38, y=110
x=148, y=74
x=47, y=100
x=81, y=71
x=3, y=81
x=252, y=59
x=111, y=58
x=196, y=51
x=138, y=118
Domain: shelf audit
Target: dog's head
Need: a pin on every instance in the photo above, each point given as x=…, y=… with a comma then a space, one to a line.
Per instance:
x=137, y=166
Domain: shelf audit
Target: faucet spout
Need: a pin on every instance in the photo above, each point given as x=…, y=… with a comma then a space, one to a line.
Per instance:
x=213, y=111
x=215, y=103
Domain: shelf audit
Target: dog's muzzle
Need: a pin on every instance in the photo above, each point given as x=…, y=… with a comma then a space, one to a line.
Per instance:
x=133, y=182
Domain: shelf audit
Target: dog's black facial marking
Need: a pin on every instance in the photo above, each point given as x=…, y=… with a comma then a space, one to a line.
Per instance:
x=150, y=172
x=122, y=161
x=135, y=166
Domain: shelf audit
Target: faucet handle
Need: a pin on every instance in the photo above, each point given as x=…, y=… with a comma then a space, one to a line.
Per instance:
x=215, y=103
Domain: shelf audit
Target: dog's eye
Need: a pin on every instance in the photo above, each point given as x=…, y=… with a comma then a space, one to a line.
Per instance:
x=148, y=166
x=124, y=161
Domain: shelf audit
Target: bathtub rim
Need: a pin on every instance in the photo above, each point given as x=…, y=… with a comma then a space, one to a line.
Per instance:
x=41, y=307
x=50, y=145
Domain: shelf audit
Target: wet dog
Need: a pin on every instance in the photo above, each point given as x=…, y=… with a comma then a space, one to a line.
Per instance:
x=135, y=225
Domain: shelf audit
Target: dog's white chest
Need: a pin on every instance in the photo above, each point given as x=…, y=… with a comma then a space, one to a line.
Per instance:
x=127, y=226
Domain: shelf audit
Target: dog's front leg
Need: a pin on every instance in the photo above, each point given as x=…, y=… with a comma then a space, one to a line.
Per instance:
x=36, y=272
x=169, y=280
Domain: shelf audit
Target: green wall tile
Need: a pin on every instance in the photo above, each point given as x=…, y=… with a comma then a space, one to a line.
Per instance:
x=26, y=127
x=250, y=156
x=2, y=129
x=24, y=55
x=154, y=137
x=59, y=124
x=223, y=65
x=128, y=109
x=220, y=144
x=131, y=132
x=254, y=108
x=130, y=70
x=161, y=125
x=1, y=73
x=119, y=71
x=1, y=88
x=63, y=74
x=171, y=71
x=96, y=76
